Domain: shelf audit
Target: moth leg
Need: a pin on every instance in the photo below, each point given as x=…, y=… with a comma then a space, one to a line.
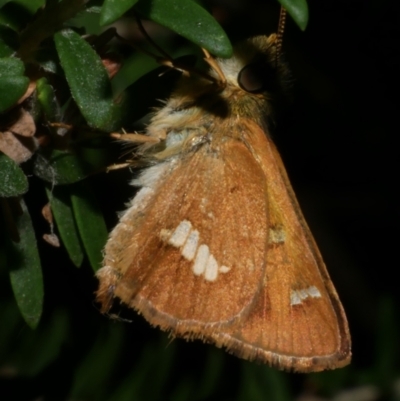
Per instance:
x=210, y=60
x=118, y=166
x=137, y=138
x=62, y=125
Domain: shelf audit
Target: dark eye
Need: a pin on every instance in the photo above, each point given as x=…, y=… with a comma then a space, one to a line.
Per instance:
x=256, y=77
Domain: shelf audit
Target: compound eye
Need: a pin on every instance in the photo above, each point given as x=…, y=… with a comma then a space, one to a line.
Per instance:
x=256, y=77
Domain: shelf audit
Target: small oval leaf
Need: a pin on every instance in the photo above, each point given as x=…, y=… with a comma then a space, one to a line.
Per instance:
x=14, y=16
x=13, y=181
x=114, y=9
x=298, y=10
x=153, y=87
x=11, y=89
x=47, y=100
x=60, y=201
x=30, y=6
x=90, y=222
x=87, y=78
x=12, y=82
x=189, y=20
x=60, y=167
x=25, y=270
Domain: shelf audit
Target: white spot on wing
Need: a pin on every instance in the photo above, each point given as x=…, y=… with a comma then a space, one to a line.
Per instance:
x=224, y=269
x=179, y=236
x=204, y=203
x=297, y=296
x=294, y=298
x=276, y=235
x=200, y=263
x=314, y=292
x=190, y=248
x=188, y=240
x=211, y=272
x=165, y=234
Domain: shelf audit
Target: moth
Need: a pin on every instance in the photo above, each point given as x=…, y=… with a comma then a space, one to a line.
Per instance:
x=214, y=245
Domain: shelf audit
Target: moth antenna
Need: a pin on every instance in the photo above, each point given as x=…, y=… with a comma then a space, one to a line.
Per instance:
x=166, y=59
x=150, y=40
x=279, y=34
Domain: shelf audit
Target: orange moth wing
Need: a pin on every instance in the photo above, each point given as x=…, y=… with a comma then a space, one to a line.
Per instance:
x=190, y=252
x=214, y=245
x=298, y=321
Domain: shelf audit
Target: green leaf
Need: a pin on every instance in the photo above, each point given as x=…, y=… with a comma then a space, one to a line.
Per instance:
x=60, y=167
x=60, y=202
x=13, y=181
x=153, y=86
x=12, y=82
x=47, y=59
x=11, y=67
x=189, y=20
x=87, y=78
x=25, y=270
x=14, y=16
x=47, y=100
x=298, y=10
x=17, y=13
x=49, y=20
x=90, y=222
x=11, y=89
x=93, y=9
x=114, y=9
x=30, y=5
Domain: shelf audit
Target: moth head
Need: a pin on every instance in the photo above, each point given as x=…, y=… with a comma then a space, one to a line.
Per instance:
x=256, y=67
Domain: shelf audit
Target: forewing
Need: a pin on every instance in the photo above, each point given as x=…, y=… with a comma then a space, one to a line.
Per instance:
x=189, y=254
x=298, y=322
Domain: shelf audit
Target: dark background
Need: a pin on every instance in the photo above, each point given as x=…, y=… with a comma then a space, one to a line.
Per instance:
x=338, y=141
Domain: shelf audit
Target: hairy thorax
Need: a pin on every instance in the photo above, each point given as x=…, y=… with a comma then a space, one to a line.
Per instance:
x=198, y=112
